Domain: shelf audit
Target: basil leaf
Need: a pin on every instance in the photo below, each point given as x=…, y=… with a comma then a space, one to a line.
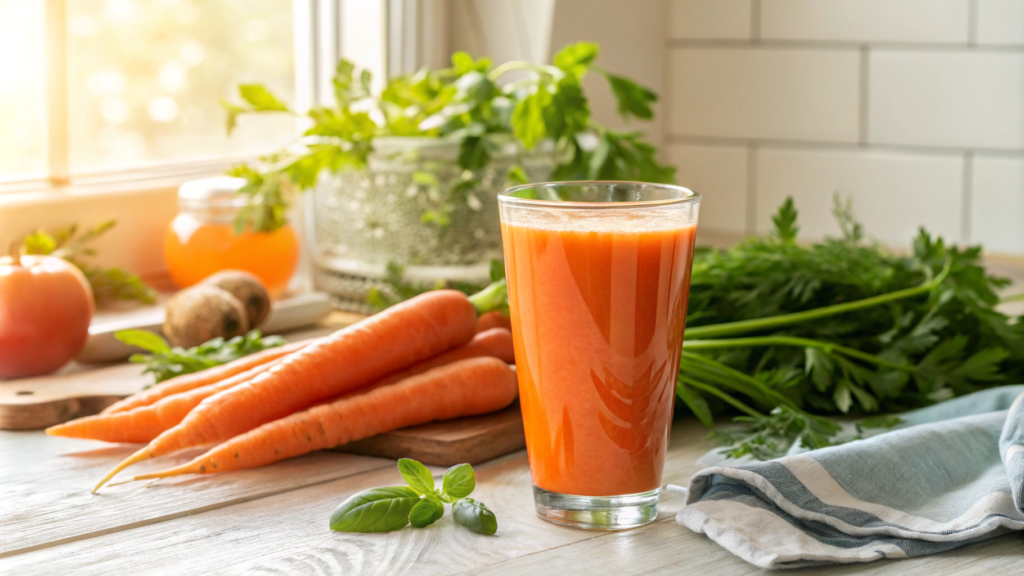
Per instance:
x=426, y=512
x=476, y=516
x=375, y=510
x=459, y=481
x=417, y=475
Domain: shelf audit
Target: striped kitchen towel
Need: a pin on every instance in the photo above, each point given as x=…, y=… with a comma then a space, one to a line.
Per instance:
x=950, y=475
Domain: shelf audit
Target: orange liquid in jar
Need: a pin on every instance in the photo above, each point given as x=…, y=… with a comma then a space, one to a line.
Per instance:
x=598, y=312
x=194, y=250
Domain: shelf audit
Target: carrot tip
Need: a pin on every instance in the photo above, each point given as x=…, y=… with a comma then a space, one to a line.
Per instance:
x=189, y=468
x=133, y=459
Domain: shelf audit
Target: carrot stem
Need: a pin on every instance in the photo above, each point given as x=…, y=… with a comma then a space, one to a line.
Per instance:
x=493, y=297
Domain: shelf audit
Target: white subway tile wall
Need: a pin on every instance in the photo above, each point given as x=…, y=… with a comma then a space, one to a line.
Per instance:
x=914, y=108
x=865, y=20
x=947, y=98
x=719, y=174
x=892, y=192
x=710, y=19
x=1000, y=22
x=765, y=93
x=997, y=203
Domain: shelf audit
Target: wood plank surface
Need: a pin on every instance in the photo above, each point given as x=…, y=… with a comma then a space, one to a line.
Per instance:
x=667, y=547
x=288, y=533
x=45, y=486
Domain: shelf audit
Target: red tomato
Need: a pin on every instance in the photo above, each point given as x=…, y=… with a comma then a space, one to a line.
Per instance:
x=45, y=309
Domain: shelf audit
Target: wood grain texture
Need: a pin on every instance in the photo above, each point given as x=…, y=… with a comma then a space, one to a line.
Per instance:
x=45, y=486
x=287, y=533
x=473, y=440
x=667, y=547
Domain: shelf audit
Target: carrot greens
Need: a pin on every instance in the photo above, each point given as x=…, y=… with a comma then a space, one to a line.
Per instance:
x=789, y=334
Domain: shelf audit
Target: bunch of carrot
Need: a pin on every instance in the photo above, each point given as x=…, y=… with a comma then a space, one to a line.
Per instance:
x=418, y=361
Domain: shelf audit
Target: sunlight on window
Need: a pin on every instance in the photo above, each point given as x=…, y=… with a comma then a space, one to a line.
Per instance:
x=22, y=75
x=146, y=77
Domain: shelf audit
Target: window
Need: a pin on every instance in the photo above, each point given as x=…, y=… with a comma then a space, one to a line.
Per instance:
x=138, y=81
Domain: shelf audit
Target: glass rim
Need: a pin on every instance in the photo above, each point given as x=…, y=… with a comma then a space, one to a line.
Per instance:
x=689, y=196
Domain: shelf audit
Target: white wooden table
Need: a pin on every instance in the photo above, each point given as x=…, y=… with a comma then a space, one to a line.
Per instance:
x=275, y=520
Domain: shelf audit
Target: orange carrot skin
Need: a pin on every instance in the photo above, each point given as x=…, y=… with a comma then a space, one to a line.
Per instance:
x=198, y=379
x=496, y=342
x=144, y=423
x=494, y=319
x=365, y=352
x=464, y=388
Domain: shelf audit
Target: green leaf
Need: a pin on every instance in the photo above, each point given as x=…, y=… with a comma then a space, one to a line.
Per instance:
x=632, y=98
x=497, y=270
x=785, y=220
x=841, y=396
x=696, y=404
x=257, y=96
x=143, y=339
x=39, y=242
x=427, y=511
x=459, y=481
x=575, y=59
x=474, y=153
x=528, y=118
x=475, y=515
x=820, y=366
x=515, y=176
x=375, y=510
x=417, y=475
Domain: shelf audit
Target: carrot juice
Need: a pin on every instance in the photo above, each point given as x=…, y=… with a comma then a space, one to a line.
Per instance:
x=598, y=304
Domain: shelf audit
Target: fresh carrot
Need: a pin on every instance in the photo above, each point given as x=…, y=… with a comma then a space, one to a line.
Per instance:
x=198, y=379
x=144, y=423
x=364, y=352
x=464, y=388
x=494, y=319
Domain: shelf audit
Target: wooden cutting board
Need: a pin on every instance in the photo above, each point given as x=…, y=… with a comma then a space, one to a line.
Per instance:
x=34, y=403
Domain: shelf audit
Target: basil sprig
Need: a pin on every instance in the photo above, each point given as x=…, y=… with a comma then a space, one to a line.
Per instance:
x=419, y=503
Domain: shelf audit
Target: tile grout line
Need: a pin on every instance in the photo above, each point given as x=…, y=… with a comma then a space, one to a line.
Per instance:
x=751, y=196
x=966, y=198
x=972, y=23
x=755, y=21
x=863, y=109
x=794, y=143
x=760, y=43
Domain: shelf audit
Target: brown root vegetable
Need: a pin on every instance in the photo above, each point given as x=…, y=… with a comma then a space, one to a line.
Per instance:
x=202, y=313
x=249, y=291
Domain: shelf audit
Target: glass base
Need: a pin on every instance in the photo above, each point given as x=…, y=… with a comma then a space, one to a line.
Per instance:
x=597, y=512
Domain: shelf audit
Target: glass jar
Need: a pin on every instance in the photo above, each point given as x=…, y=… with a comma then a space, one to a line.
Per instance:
x=201, y=240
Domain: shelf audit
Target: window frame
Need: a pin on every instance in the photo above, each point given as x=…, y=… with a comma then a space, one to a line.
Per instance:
x=317, y=44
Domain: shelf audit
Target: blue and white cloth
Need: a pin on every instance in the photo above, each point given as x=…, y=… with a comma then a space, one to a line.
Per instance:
x=950, y=475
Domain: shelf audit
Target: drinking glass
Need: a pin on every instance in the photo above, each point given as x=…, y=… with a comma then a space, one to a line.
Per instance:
x=598, y=280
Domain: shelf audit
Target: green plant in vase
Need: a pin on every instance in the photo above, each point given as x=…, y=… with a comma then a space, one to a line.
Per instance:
x=408, y=176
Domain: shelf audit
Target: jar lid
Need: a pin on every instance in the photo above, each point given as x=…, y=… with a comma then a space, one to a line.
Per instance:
x=216, y=192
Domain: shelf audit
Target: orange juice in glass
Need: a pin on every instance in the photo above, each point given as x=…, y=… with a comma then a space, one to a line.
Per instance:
x=598, y=280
